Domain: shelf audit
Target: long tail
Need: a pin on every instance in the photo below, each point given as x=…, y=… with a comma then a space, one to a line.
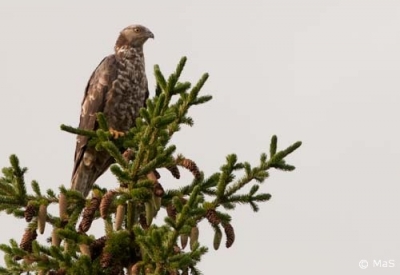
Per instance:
x=92, y=165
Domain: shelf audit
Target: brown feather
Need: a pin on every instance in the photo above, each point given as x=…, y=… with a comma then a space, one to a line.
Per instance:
x=99, y=83
x=118, y=88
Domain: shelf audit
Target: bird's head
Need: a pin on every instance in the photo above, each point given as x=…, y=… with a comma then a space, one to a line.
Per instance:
x=133, y=36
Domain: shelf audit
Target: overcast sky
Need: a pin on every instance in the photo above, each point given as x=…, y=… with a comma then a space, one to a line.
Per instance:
x=323, y=72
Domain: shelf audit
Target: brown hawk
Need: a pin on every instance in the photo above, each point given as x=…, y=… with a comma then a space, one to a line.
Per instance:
x=118, y=88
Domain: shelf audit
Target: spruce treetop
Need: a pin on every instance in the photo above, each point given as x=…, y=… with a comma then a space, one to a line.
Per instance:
x=132, y=242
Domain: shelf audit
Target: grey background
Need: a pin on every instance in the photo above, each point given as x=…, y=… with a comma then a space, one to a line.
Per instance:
x=324, y=72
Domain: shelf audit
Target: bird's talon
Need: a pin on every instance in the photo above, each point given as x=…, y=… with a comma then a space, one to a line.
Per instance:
x=116, y=134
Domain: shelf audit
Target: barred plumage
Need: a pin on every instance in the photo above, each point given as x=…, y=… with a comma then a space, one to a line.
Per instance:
x=118, y=88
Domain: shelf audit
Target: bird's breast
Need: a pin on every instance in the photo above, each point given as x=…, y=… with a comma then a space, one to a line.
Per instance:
x=127, y=95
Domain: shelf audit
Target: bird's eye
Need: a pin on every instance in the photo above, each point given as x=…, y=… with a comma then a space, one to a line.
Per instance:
x=136, y=30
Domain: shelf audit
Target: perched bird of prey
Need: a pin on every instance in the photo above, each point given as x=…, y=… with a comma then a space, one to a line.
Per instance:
x=118, y=88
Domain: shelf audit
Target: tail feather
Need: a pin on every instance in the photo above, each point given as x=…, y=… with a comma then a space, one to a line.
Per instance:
x=92, y=165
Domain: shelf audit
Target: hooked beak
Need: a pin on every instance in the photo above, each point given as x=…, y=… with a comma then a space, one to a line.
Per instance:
x=150, y=34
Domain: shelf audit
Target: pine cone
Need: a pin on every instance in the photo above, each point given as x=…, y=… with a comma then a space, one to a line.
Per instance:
x=96, y=247
x=148, y=270
x=156, y=174
x=105, y=203
x=217, y=239
x=171, y=211
x=27, y=239
x=88, y=214
x=152, y=176
x=42, y=216
x=191, y=166
x=55, y=239
x=212, y=217
x=119, y=216
x=158, y=190
x=184, y=240
x=230, y=234
x=194, y=236
x=106, y=259
x=174, y=171
x=63, y=205
x=135, y=269
x=157, y=203
x=128, y=154
x=29, y=212
x=85, y=249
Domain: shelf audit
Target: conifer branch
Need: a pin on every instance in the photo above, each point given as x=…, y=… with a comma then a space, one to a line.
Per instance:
x=133, y=239
x=78, y=131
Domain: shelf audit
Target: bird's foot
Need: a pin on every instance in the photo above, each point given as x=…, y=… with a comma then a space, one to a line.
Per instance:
x=116, y=134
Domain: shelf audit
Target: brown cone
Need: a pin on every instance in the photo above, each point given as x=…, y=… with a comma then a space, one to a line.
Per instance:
x=174, y=171
x=194, y=236
x=158, y=190
x=63, y=204
x=184, y=240
x=29, y=212
x=96, y=247
x=88, y=214
x=171, y=211
x=42, y=216
x=191, y=166
x=135, y=269
x=85, y=249
x=230, y=234
x=55, y=239
x=217, y=239
x=212, y=217
x=105, y=259
x=105, y=203
x=128, y=154
x=27, y=239
x=158, y=176
x=119, y=216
